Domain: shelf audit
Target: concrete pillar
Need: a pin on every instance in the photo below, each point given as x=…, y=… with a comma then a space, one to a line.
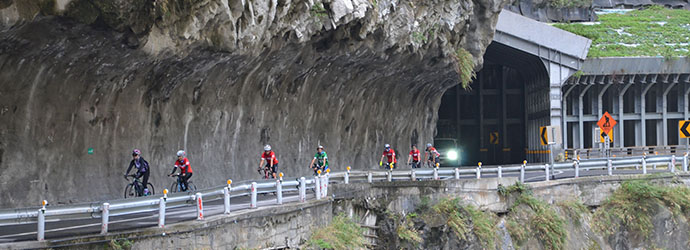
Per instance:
x=580, y=114
x=664, y=112
x=643, y=111
x=564, y=122
x=621, y=115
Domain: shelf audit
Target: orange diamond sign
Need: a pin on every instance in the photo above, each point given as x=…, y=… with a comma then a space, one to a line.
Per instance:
x=606, y=122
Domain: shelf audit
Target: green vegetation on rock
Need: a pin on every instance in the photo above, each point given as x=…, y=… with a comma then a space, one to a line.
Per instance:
x=632, y=205
x=317, y=10
x=655, y=31
x=574, y=209
x=465, y=67
x=119, y=245
x=467, y=219
x=341, y=233
x=407, y=232
x=530, y=217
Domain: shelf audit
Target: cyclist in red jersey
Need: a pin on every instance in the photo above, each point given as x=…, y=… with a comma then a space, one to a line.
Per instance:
x=389, y=153
x=432, y=155
x=185, y=168
x=414, y=158
x=269, y=157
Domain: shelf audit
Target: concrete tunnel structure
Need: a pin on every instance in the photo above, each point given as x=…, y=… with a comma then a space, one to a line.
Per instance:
x=496, y=120
x=529, y=81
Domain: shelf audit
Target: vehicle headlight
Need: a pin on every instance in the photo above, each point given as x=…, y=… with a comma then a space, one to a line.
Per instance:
x=452, y=155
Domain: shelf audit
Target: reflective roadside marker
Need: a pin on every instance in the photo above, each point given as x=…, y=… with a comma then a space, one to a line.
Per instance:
x=90, y=151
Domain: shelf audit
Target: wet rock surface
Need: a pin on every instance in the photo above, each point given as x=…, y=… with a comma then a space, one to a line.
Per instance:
x=83, y=84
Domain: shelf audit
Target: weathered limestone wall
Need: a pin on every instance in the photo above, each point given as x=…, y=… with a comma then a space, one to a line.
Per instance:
x=219, y=79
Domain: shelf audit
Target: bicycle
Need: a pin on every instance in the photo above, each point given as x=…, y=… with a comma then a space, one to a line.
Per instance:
x=268, y=172
x=134, y=189
x=176, y=185
x=316, y=167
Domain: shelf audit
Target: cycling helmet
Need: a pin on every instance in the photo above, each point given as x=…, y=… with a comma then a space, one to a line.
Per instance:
x=136, y=152
x=428, y=145
x=180, y=153
x=387, y=146
x=267, y=147
x=319, y=147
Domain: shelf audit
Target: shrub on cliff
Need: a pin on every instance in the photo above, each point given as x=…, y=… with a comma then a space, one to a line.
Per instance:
x=341, y=233
x=632, y=206
x=530, y=217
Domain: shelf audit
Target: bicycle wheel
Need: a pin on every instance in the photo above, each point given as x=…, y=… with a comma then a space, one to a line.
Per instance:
x=152, y=191
x=191, y=187
x=174, y=188
x=129, y=191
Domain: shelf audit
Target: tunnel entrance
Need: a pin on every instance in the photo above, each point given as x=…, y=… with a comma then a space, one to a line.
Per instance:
x=489, y=120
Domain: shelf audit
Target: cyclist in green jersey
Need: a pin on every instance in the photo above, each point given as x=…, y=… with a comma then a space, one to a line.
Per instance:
x=320, y=161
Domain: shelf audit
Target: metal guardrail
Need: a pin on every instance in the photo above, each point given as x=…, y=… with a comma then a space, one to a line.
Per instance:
x=593, y=153
x=319, y=184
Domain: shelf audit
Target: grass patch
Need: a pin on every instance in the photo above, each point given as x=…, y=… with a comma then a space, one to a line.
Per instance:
x=407, y=232
x=467, y=219
x=574, y=209
x=530, y=217
x=631, y=207
x=341, y=233
x=569, y=3
x=464, y=65
x=317, y=10
x=654, y=31
x=119, y=244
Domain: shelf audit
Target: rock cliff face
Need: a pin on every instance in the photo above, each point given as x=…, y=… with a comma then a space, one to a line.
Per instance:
x=219, y=78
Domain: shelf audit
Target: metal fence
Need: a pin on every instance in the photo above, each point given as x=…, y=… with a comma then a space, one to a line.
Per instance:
x=318, y=184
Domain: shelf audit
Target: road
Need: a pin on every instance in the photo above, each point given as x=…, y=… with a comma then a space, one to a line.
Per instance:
x=57, y=229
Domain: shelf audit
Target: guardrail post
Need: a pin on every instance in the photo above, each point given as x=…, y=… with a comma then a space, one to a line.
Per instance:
x=199, y=207
x=347, y=175
x=435, y=173
x=413, y=175
x=457, y=173
x=279, y=192
x=389, y=176
x=644, y=164
x=161, y=211
x=500, y=172
x=672, y=164
x=576, y=164
x=317, y=187
x=546, y=172
x=302, y=189
x=478, y=170
x=685, y=162
x=522, y=172
x=370, y=178
x=609, y=167
x=254, y=191
x=226, y=197
x=105, y=214
x=40, y=232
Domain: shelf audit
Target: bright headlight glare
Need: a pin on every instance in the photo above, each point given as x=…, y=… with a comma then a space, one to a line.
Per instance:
x=452, y=155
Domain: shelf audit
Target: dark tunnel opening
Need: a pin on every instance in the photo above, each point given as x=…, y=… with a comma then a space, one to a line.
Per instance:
x=489, y=121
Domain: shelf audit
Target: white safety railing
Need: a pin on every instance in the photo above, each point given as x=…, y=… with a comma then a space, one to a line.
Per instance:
x=319, y=184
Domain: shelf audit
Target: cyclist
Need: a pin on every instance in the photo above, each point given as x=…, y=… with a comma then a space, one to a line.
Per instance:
x=271, y=161
x=142, y=167
x=185, y=169
x=414, y=157
x=432, y=155
x=320, y=161
x=389, y=153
